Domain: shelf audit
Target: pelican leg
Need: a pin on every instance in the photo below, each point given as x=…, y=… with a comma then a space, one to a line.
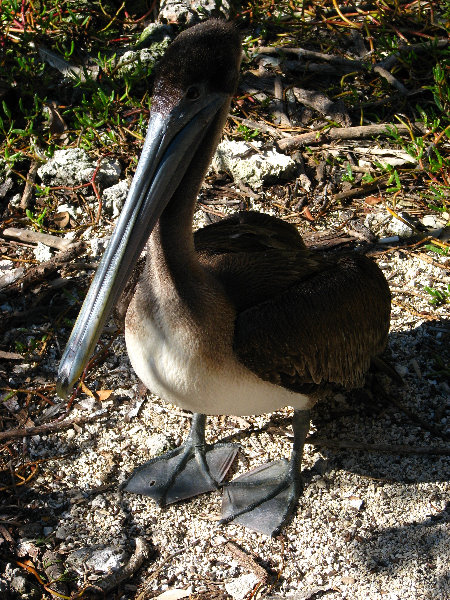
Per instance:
x=263, y=499
x=192, y=469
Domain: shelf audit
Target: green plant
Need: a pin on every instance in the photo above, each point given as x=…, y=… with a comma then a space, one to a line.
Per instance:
x=247, y=133
x=437, y=250
x=438, y=298
x=37, y=220
x=348, y=176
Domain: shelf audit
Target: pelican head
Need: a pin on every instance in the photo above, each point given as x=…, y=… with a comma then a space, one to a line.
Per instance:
x=194, y=84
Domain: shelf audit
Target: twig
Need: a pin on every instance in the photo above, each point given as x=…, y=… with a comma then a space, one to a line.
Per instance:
x=110, y=582
x=392, y=80
x=41, y=272
x=392, y=449
x=260, y=126
x=279, y=111
x=246, y=561
x=308, y=54
x=26, y=196
x=358, y=191
x=345, y=133
x=12, y=434
x=392, y=59
x=29, y=235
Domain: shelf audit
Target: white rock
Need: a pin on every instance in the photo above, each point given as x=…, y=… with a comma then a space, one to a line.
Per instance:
x=384, y=225
x=74, y=166
x=100, y=560
x=98, y=246
x=114, y=198
x=180, y=11
x=241, y=586
x=42, y=252
x=254, y=169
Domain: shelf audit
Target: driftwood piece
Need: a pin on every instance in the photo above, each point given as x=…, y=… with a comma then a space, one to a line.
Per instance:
x=110, y=582
x=41, y=272
x=54, y=569
x=12, y=434
x=389, y=448
x=318, y=101
x=344, y=133
x=29, y=235
x=27, y=192
x=246, y=561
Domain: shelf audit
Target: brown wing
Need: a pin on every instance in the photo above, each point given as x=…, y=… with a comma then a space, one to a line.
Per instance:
x=303, y=319
x=255, y=256
x=324, y=329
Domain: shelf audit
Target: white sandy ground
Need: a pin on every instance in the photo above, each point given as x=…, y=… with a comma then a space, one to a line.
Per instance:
x=369, y=525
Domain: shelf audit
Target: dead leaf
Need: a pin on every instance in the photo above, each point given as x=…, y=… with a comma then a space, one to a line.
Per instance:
x=307, y=214
x=372, y=200
x=86, y=390
x=62, y=219
x=56, y=122
x=103, y=395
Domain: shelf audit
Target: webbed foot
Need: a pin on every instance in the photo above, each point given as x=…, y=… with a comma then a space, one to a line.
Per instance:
x=192, y=469
x=263, y=499
x=183, y=473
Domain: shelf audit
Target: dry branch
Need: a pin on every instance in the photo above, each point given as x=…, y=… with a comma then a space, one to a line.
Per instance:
x=344, y=133
x=110, y=582
x=390, y=448
x=48, y=427
x=41, y=272
x=29, y=235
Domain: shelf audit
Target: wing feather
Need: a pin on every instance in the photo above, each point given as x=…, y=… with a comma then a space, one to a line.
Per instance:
x=324, y=329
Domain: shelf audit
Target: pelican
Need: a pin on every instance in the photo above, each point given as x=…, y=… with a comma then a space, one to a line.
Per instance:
x=239, y=318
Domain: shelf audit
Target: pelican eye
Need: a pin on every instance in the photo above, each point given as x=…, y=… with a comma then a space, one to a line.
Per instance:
x=193, y=93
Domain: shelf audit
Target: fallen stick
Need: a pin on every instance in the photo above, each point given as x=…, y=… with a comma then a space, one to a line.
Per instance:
x=358, y=191
x=110, y=582
x=12, y=434
x=279, y=112
x=41, y=272
x=344, y=133
x=29, y=235
x=392, y=449
x=308, y=54
x=27, y=192
x=392, y=80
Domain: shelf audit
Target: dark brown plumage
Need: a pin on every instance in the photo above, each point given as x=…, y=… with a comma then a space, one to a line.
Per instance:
x=240, y=318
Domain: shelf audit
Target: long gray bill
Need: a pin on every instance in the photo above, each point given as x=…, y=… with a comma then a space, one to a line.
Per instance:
x=169, y=146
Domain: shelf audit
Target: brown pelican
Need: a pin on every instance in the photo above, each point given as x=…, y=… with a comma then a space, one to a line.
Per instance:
x=238, y=319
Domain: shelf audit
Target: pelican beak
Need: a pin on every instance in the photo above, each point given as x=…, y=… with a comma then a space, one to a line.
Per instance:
x=171, y=141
